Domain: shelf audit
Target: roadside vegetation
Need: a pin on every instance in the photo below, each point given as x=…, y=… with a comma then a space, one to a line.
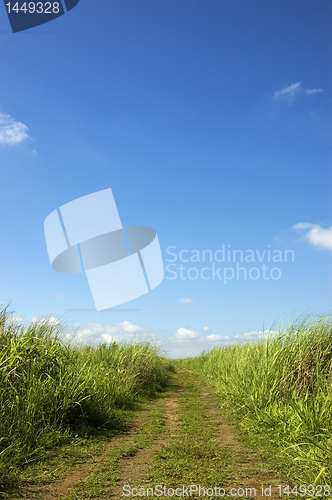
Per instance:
x=80, y=422
x=279, y=392
x=52, y=391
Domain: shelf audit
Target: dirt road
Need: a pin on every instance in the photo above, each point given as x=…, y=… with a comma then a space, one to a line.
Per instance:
x=180, y=446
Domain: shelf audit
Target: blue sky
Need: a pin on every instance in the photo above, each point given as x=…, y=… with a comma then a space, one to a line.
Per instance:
x=210, y=121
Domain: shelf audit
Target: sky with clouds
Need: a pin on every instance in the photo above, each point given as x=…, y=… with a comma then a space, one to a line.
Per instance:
x=211, y=122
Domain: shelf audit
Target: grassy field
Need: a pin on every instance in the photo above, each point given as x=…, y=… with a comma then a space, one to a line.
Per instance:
x=179, y=440
x=80, y=422
x=52, y=391
x=279, y=392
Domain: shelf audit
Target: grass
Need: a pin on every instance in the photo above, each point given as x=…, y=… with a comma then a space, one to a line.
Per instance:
x=53, y=391
x=280, y=391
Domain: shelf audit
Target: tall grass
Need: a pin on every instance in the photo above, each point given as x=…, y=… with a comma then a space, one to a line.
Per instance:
x=281, y=388
x=50, y=388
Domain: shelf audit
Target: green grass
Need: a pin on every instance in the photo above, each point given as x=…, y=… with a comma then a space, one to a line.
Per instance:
x=52, y=391
x=280, y=389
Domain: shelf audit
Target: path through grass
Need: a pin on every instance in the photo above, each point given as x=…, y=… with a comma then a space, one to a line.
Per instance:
x=180, y=446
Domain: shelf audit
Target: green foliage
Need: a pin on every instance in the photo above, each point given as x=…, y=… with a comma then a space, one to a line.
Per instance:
x=51, y=388
x=281, y=389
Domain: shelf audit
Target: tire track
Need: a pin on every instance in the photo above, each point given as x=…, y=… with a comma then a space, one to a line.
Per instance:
x=133, y=468
x=62, y=487
x=248, y=462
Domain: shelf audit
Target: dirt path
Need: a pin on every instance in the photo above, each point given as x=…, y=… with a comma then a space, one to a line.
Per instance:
x=60, y=488
x=181, y=441
x=254, y=474
x=133, y=468
x=248, y=472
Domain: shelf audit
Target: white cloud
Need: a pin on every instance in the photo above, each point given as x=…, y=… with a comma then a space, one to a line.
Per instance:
x=321, y=237
x=58, y=296
x=313, y=91
x=256, y=336
x=206, y=329
x=49, y=321
x=16, y=319
x=186, y=301
x=289, y=93
x=117, y=332
x=185, y=341
x=303, y=225
x=185, y=334
x=61, y=296
x=315, y=234
x=12, y=132
x=216, y=338
x=188, y=343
